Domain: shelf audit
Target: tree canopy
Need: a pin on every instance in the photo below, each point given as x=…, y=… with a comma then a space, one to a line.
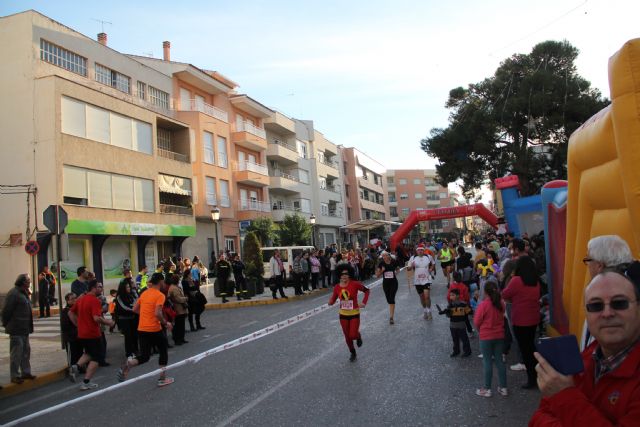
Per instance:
x=264, y=229
x=516, y=122
x=252, y=256
x=294, y=230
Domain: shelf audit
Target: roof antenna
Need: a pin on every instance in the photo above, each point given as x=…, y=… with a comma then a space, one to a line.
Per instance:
x=102, y=23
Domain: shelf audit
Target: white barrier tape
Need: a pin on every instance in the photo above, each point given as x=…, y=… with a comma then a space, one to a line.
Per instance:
x=193, y=359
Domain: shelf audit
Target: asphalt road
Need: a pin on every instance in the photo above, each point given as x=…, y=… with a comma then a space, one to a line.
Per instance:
x=299, y=376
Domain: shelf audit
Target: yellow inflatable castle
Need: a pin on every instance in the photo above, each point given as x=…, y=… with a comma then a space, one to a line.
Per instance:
x=604, y=178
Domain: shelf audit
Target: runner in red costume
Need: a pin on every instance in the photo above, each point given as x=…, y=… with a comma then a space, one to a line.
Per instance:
x=347, y=292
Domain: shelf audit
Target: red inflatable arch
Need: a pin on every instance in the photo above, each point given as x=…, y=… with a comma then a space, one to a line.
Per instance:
x=442, y=213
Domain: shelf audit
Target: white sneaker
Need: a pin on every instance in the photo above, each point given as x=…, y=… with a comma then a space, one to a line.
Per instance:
x=502, y=391
x=425, y=315
x=480, y=356
x=518, y=367
x=88, y=386
x=483, y=392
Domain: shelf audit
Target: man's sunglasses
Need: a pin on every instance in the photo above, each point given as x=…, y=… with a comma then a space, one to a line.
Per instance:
x=616, y=304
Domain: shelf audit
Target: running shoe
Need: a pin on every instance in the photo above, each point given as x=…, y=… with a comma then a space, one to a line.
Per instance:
x=88, y=386
x=165, y=381
x=429, y=316
x=122, y=373
x=483, y=392
x=359, y=341
x=73, y=373
x=480, y=356
x=502, y=391
x=518, y=367
x=391, y=321
x=425, y=316
x=353, y=356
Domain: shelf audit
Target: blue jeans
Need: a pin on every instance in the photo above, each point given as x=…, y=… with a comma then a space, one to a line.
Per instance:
x=492, y=352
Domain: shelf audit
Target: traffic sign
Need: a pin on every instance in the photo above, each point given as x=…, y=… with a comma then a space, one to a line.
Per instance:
x=32, y=247
x=55, y=219
x=244, y=225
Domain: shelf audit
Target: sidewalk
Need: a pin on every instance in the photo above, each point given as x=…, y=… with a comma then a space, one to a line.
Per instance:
x=49, y=360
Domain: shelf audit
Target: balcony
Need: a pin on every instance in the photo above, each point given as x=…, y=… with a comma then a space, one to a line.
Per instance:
x=433, y=203
x=249, y=136
x=282, y=152
x=279, y=123
x=177, y=210
x=284, y=183
x=335, y=194
x=173, y=155
x=203, y=107
x=251, y=209
x=327, y=168
x=251, y=173
x=371, y=185
x=278, y=212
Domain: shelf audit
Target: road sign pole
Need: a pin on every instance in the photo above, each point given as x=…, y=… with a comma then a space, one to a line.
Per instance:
x=59, y=273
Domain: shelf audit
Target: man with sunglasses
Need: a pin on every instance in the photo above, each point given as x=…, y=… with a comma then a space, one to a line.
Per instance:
x=607, y=392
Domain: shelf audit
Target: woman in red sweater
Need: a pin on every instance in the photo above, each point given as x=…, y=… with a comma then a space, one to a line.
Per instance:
x=489, y=320
x=523, y=291
x=347, y=292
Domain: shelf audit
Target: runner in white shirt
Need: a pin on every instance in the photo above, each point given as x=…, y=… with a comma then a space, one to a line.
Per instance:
x=423, y=266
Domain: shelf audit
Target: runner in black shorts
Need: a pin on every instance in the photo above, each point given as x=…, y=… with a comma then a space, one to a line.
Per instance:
x=447, y=257
x=388, y=268
x=422, y=266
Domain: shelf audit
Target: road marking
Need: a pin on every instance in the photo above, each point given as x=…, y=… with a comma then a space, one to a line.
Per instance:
x=209, y=338
x=277, y=313
x=281, y=384
x=193, y=359
x=253, y=322
x=37, y=399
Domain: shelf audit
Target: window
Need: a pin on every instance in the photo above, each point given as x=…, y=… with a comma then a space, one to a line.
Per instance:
x=443, y=195
x=302, y=205
x=405, y=212
x=392, y=196
x=159, y=97
x=348, y=214
x=222, y=152
x=225, y=201
x=402, y=181
x=109, y=190
x=97, y=124
x=303, y=176
x=113, y=78
x=429, y=182
x=185, y=99
x=404, y=196
x=230, y=244
x=302, y=149
x=393, y=211
x=346, y=190
x=324, y=209
x=207, y=138
x=418, y=195
x=445, y=223
x=211, y=191
x=321, y=158
x=63, y=58
x=417, y=181
x=390, y=180
x=164, y=139
x=323, y=182
x=75, y=186
x=142, y=90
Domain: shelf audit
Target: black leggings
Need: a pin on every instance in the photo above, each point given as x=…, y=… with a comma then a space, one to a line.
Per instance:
x=390, y=288
x=153, y=339
x=526, y=335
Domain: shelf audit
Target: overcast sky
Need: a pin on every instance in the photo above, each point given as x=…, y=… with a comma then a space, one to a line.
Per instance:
x=371, y=74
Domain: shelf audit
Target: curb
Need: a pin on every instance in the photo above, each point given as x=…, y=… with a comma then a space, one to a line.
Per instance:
x=12, y=389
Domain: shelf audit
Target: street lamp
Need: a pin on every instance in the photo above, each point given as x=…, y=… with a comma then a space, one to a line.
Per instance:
x=312, y=221
x=215, y=216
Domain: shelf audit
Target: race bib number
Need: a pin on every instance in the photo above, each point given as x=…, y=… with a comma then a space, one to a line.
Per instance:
x=388, y=274
x=346, y=305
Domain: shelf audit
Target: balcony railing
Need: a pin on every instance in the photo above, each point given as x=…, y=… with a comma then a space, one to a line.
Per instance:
x=280, y=174
x=253, y=167
x=203, y=107
x=333, y=213
x=331, y=163
x=225, y=201
x=178, y=210
x=253, y=205
x=392, y=200
x=284, y=144
x=173, y=155
x=289, y=208
x=372, y=200
x=249, y=127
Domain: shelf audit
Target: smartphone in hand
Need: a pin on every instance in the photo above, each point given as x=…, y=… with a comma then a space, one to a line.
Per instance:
x=562, y=353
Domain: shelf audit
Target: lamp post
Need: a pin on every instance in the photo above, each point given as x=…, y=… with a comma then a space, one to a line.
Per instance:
x=215, y=216
x=312, y=221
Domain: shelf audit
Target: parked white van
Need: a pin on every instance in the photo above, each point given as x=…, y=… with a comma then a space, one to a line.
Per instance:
x=287, y=255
